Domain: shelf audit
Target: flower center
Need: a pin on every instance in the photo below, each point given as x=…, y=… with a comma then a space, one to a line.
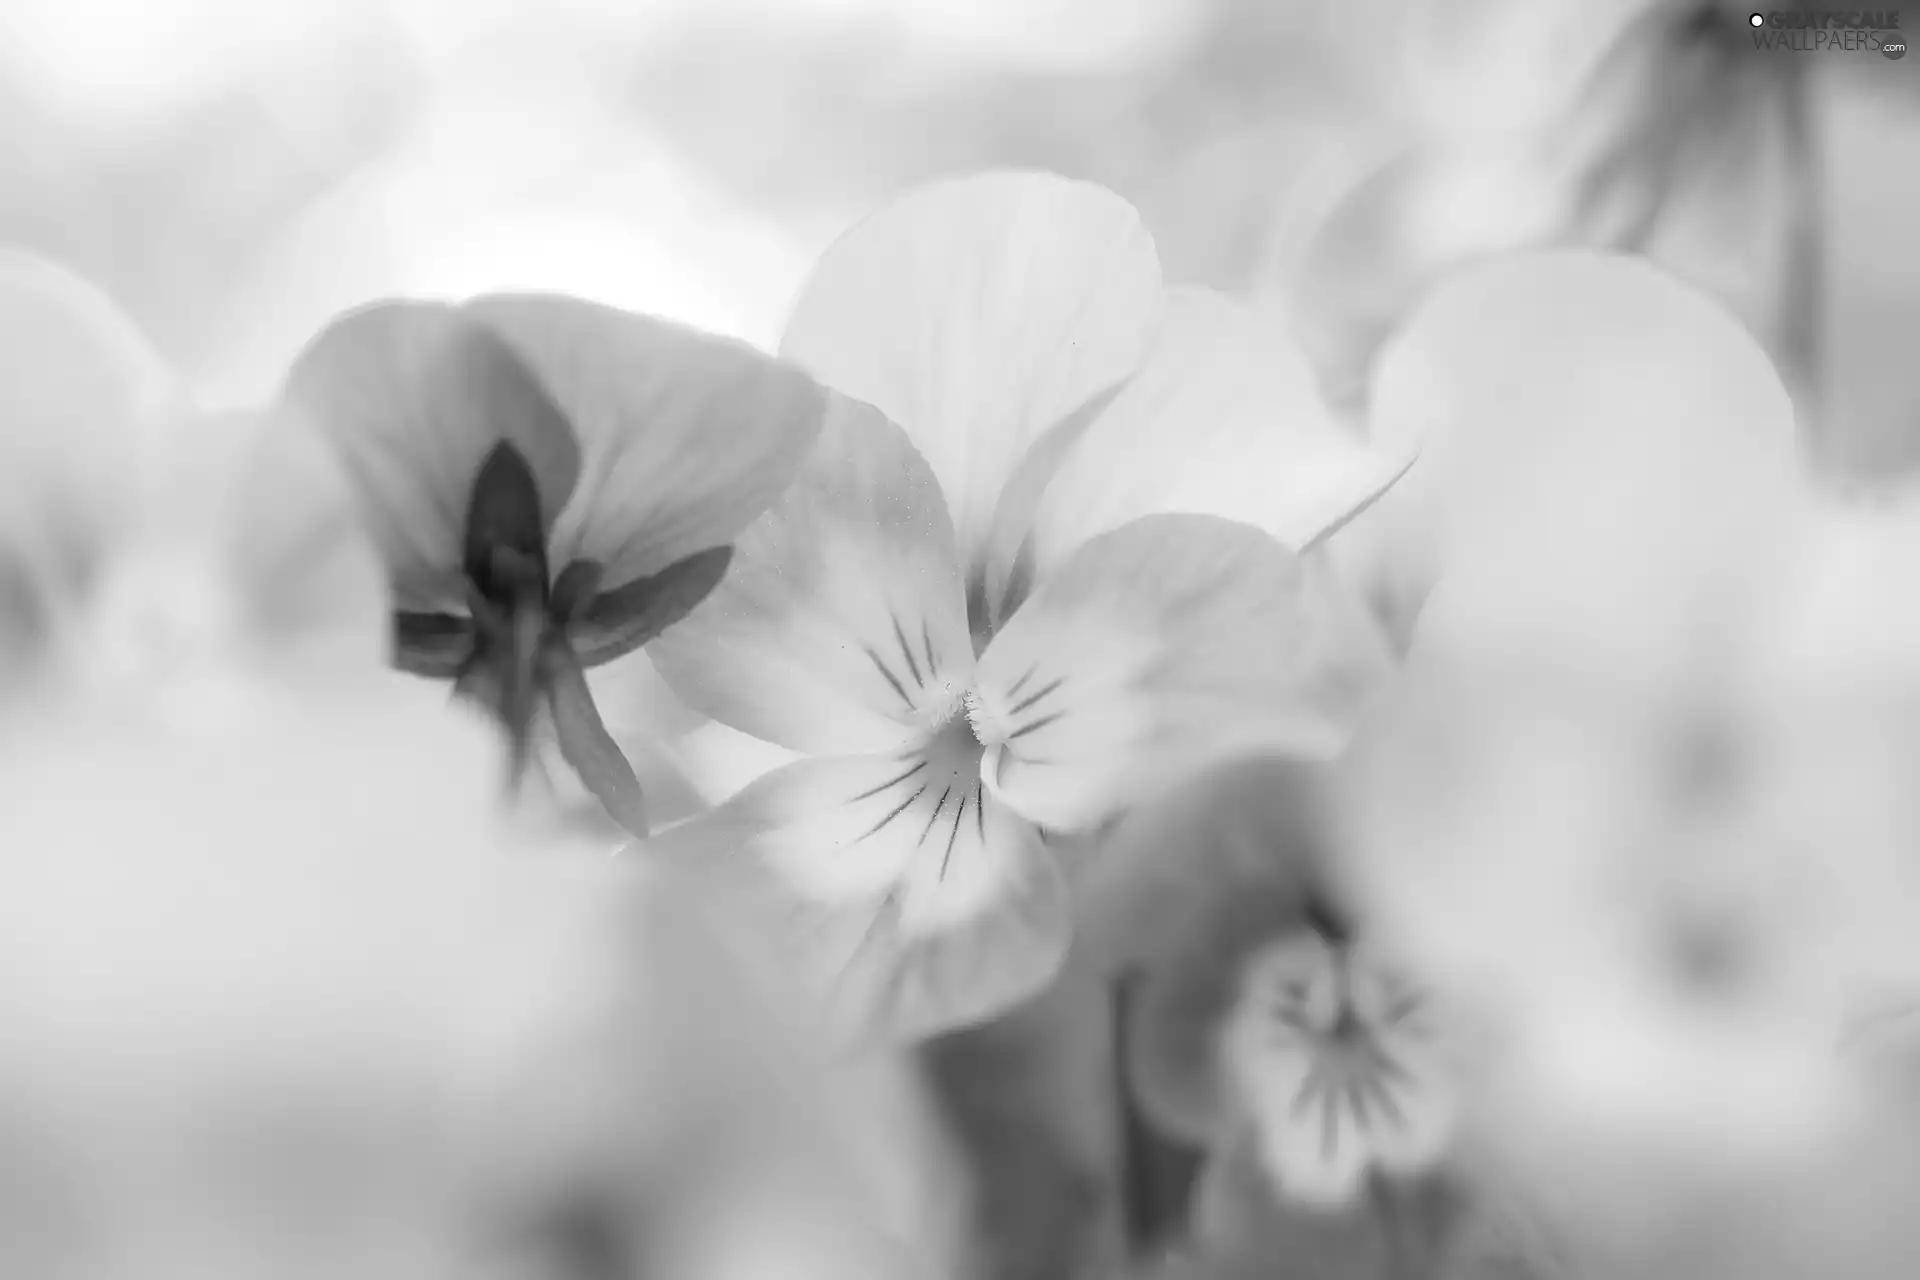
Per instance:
x=520, y=617
x=519, y=644
x=953, y=751
x=1331, y=1053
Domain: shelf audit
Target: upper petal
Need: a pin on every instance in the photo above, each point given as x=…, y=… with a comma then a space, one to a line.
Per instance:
x=81, y=391
x=685, y=437
x=1158, y=650
x=1223, y=419
x=414, y=396
x=1560, y=391
x=155, y=540
x=272, y=505
x=977, y=312
x=911, y=901
x=841, y=626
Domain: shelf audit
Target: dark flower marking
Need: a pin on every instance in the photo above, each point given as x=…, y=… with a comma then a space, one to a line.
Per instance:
x=529, y=635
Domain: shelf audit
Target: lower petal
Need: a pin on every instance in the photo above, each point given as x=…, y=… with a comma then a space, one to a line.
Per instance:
x=913, y=901
x=1160, y=649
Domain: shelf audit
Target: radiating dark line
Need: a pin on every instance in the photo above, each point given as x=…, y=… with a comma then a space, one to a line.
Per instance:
x=1402, y=1005
x=1389, y=1066
x=897, y=811
x=1383, y=1097
x=1013, y=690
x=1357, y=1099
x=980, y=810
x=926, y=641
x=889, y=783
x=1033, y=725
x=1034, y=697
x=959, y=816
x=934, y=818
x=906, y=651
x=891, y=678
x=1310, y=1089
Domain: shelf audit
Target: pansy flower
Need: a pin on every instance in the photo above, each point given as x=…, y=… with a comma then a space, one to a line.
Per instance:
x=551, y=482
x=1004, y=598
x=1266, y=1018
x=152, y=550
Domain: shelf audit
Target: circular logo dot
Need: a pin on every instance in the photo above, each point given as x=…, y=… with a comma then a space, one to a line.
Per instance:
x=1756, y=19
x=1894, y=47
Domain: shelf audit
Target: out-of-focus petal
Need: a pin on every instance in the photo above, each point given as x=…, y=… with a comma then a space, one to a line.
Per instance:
x=1595, y=432
x=234, y=926
x=1158, y=650
x=414, y=396
x=304, y=559
x=80, y=392
x=1654, y=126
x=372, y=1030
x=1254, y=831
x=841, y=626
x=978, y=312
x=1174, y=1044
x=912, y=902
x=1525, y=372
x=1243, y=1228
x=1223, y=419
x=248, y=549
x=685, y=437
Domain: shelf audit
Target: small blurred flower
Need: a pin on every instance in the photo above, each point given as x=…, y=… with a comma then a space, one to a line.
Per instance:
x=552, y=483
x=1266, y=1018
x=979, y=622
x=150, y=550
x=1331, y=1052
x=1265, y=1031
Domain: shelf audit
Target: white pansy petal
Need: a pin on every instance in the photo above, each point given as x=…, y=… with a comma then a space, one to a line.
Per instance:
x=685, y=437
x=1158, y=650
x=978, y=312
x=1223, y=419
x=1531, y=377
x=80, y=392
x=840, y=626
x=270, y=504
x=79, y=385
x=913, y=901
x=413, y=397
